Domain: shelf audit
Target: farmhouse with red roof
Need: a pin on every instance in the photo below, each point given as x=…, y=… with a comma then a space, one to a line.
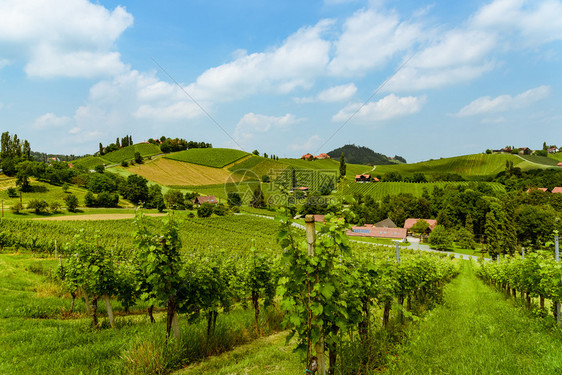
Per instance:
x=410, y=222
x=323, y=156
x=557, y=189
x=536, y=188
x=205, y=199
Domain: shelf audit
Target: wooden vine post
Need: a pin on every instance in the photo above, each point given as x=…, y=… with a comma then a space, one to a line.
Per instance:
x=311, y=240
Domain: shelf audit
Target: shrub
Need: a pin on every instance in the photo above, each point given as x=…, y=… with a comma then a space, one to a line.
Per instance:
x=38, y=205
x=12, y=192
x=90, y=200
x=220, y=210
x=205, y=210
x=71, y=202
x=16, y=208
x=55, y=207
x=124, y=163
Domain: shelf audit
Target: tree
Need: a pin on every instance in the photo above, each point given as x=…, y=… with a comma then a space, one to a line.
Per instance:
x=205, y=210
x=71, y=202
x=440, y=238
x=174, y=199
x=99, y=168
x=138, y=158
x=493, y=237
x=465, y=239
x=135, y=189
x=258, y=200
x=55, y=207
x=420, y=227
x=234, y=199
x=256, y=152
x=16, y=207
x=342, y=165
x=38, y=205
x=90, y=200
x=25, y=170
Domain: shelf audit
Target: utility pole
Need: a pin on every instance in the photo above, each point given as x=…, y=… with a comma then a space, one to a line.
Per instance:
x=310, y=241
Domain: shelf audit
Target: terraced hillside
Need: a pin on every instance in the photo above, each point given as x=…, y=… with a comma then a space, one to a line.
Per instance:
x=210, y=157
x=380, y=189
x=116, y=157
x=128, y=153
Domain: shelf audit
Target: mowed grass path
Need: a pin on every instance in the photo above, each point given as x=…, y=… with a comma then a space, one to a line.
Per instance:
x=476, y=331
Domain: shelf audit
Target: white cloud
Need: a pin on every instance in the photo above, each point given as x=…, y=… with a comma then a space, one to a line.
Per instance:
x=252, y=123
x=50, y=120
x=455, y=57
x=301, y=58
x=331, y=95
x=536, y=21
x=369, y=39
x=311, y=143
x=502, y=103
x=73, y=38
x=389, y=107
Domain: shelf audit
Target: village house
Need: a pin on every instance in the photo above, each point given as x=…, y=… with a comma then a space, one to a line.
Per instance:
x=371, y=231
x=323, y=156
x=205, y=199
x=536, y=188
x=410, y=222
x=386, y=223
x=557, y=189
x=365, y=178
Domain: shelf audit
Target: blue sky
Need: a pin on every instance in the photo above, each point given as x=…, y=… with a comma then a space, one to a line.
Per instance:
x=418, y=79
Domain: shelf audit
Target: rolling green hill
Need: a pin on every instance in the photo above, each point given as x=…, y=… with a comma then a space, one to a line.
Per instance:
x=116, y=157
x=210, y=157
x=476, y=165
x=128, y=153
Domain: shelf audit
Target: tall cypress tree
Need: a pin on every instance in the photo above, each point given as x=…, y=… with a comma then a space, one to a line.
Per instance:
x=342, y=165
x=493, y=242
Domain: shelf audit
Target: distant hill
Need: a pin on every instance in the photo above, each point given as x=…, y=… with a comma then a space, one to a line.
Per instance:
x=364, y=155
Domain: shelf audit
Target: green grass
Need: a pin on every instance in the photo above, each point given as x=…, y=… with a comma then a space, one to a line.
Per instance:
x=128, y=153
x=557, y=156
x=269, y=355
x=90, y=162
x=210, y=157
x=543, y=160
x=477, y=332
x=41, y=191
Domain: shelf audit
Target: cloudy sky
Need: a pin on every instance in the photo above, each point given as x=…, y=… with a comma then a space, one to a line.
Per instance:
x=421, y=79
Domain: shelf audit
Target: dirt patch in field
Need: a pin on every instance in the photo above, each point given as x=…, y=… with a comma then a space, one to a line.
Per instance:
x=94, y=217
x=170, y=172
